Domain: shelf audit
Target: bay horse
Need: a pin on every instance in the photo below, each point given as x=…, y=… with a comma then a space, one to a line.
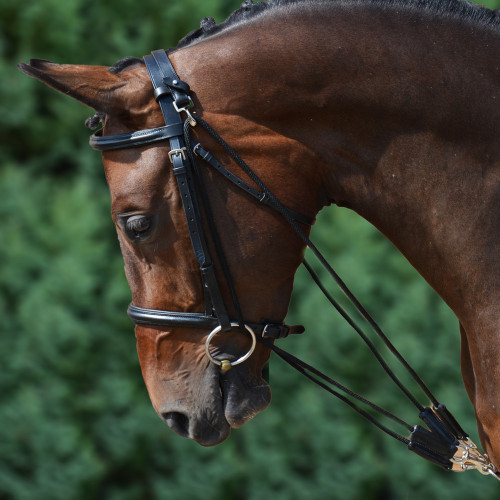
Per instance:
x=387, y=107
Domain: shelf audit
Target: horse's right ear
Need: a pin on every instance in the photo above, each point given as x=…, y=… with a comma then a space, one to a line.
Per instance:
x=95, y=86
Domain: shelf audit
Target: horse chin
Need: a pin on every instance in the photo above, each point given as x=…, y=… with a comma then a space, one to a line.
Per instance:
x=241, y=402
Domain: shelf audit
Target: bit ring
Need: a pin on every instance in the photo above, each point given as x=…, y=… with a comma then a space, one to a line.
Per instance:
x=227, y=365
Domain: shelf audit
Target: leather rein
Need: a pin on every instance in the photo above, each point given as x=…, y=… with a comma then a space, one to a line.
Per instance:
x=443, y=442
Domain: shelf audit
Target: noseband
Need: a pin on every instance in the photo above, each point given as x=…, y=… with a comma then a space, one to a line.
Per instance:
x=443, y=442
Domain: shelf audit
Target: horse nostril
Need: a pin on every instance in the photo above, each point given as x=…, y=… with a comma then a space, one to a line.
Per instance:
x=178, y=422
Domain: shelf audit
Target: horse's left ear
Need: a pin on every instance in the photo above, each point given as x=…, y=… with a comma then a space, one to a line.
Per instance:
x=95, y=86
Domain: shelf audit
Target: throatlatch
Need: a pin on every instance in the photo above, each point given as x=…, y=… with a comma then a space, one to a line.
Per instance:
x=442, y=441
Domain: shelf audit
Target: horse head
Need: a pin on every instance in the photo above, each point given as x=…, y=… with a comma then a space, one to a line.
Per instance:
x=191, y=394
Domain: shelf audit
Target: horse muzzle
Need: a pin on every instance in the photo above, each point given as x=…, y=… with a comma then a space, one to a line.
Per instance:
x=222, y=401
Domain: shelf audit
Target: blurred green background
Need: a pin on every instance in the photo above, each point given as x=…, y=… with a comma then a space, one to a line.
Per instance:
x=75, y=419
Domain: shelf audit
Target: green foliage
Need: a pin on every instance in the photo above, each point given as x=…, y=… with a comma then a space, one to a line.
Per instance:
x=75, y=420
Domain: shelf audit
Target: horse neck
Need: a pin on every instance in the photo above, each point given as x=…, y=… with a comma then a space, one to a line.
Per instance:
x=399, y=113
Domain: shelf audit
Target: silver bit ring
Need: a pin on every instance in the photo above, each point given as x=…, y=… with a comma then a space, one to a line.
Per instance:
x=225, y=364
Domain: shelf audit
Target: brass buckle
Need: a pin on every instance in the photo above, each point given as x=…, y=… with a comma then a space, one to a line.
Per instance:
x=176, y=152
x=190, y=104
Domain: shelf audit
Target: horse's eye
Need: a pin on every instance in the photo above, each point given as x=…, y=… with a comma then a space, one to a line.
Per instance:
x=138, y=226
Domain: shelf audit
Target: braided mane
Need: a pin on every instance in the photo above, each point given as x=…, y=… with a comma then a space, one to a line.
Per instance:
x=249, y=9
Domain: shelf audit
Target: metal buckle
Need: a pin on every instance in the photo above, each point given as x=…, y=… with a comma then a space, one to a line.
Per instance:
x=264, y=332
x=283, y=331
x=176, y=152
x=225, y=364
x=195, y=148
x=468, y=457
x=190, y=104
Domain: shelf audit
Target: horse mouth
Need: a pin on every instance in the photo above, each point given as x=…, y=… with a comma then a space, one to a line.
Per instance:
x=211, y=419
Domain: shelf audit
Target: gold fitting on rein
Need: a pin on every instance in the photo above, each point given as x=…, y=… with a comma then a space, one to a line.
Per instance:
x=468, y=457
x=226, y=365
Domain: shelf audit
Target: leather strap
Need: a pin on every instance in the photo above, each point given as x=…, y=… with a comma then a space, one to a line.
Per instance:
x=163, y=76
x=178, y=89
x=134, y=139
x=157, y=317
x=259, y=195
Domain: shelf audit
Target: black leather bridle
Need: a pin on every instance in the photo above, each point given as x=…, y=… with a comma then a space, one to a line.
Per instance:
x=172, y=94
x=443, y=442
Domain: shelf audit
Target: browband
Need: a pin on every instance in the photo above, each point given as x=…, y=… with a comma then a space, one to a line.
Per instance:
x=134, y=139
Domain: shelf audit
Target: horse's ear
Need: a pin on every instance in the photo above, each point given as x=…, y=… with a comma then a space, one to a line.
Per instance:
x=94, y=86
